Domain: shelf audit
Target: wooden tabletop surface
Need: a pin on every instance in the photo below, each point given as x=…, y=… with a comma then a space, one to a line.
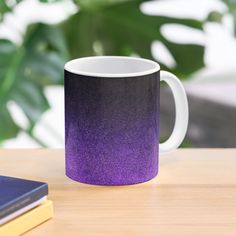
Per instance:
x=194, y=194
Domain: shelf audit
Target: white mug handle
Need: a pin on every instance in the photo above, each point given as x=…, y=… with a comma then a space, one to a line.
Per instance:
x=181, y=110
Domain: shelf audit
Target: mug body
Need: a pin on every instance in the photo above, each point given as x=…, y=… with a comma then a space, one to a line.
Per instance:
x=112, y=120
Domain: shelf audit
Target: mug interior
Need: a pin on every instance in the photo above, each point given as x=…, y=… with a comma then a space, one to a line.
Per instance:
x=112, y=66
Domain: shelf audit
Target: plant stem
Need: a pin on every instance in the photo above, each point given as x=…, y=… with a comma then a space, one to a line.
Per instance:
x=37, y=140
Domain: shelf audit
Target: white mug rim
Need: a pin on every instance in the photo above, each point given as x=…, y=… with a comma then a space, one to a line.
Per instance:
x=70, y=66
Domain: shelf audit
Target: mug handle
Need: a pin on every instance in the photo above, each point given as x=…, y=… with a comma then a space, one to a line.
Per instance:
x=181, y=110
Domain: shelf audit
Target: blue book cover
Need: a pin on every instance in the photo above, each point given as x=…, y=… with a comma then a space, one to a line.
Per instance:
x=18, y=193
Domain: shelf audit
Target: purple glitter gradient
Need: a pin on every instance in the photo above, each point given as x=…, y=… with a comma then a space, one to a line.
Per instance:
x=111, y=128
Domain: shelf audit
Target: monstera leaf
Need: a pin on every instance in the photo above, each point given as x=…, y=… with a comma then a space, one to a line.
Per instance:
x=25, y=70
x=110, y=27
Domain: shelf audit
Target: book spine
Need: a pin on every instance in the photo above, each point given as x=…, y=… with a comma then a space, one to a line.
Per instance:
x=25, y=200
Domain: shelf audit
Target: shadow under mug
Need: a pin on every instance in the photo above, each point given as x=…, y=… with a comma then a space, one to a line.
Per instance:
x=112, y=113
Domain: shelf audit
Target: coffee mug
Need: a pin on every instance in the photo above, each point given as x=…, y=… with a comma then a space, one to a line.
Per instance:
x=112, y=114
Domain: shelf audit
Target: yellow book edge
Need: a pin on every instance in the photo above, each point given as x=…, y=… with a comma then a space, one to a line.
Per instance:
x=28, y=220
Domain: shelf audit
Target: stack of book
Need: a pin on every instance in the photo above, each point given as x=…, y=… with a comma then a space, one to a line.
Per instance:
x=23, y=205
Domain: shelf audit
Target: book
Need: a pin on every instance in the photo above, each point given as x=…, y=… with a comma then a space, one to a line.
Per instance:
x=22, y=211
x=16, y=194
x=28, y=220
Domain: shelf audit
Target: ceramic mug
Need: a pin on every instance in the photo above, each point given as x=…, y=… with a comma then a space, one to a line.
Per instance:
x=112, y=113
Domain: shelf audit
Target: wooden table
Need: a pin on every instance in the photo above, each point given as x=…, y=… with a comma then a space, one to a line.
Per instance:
x=194, y=194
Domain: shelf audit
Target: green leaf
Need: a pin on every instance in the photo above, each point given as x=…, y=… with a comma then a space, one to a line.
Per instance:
x=7, y=6
x=189, y=58
x=26, y=70
x=8, y=128
x=120, y=28
x=31, y=99
x=215, y=16
x=4, y=8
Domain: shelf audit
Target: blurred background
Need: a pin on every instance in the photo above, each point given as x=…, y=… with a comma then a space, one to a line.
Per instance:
x=195, y=39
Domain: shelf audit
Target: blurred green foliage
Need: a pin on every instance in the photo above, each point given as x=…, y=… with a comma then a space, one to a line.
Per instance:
x=232, y=10
x=101, y=27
